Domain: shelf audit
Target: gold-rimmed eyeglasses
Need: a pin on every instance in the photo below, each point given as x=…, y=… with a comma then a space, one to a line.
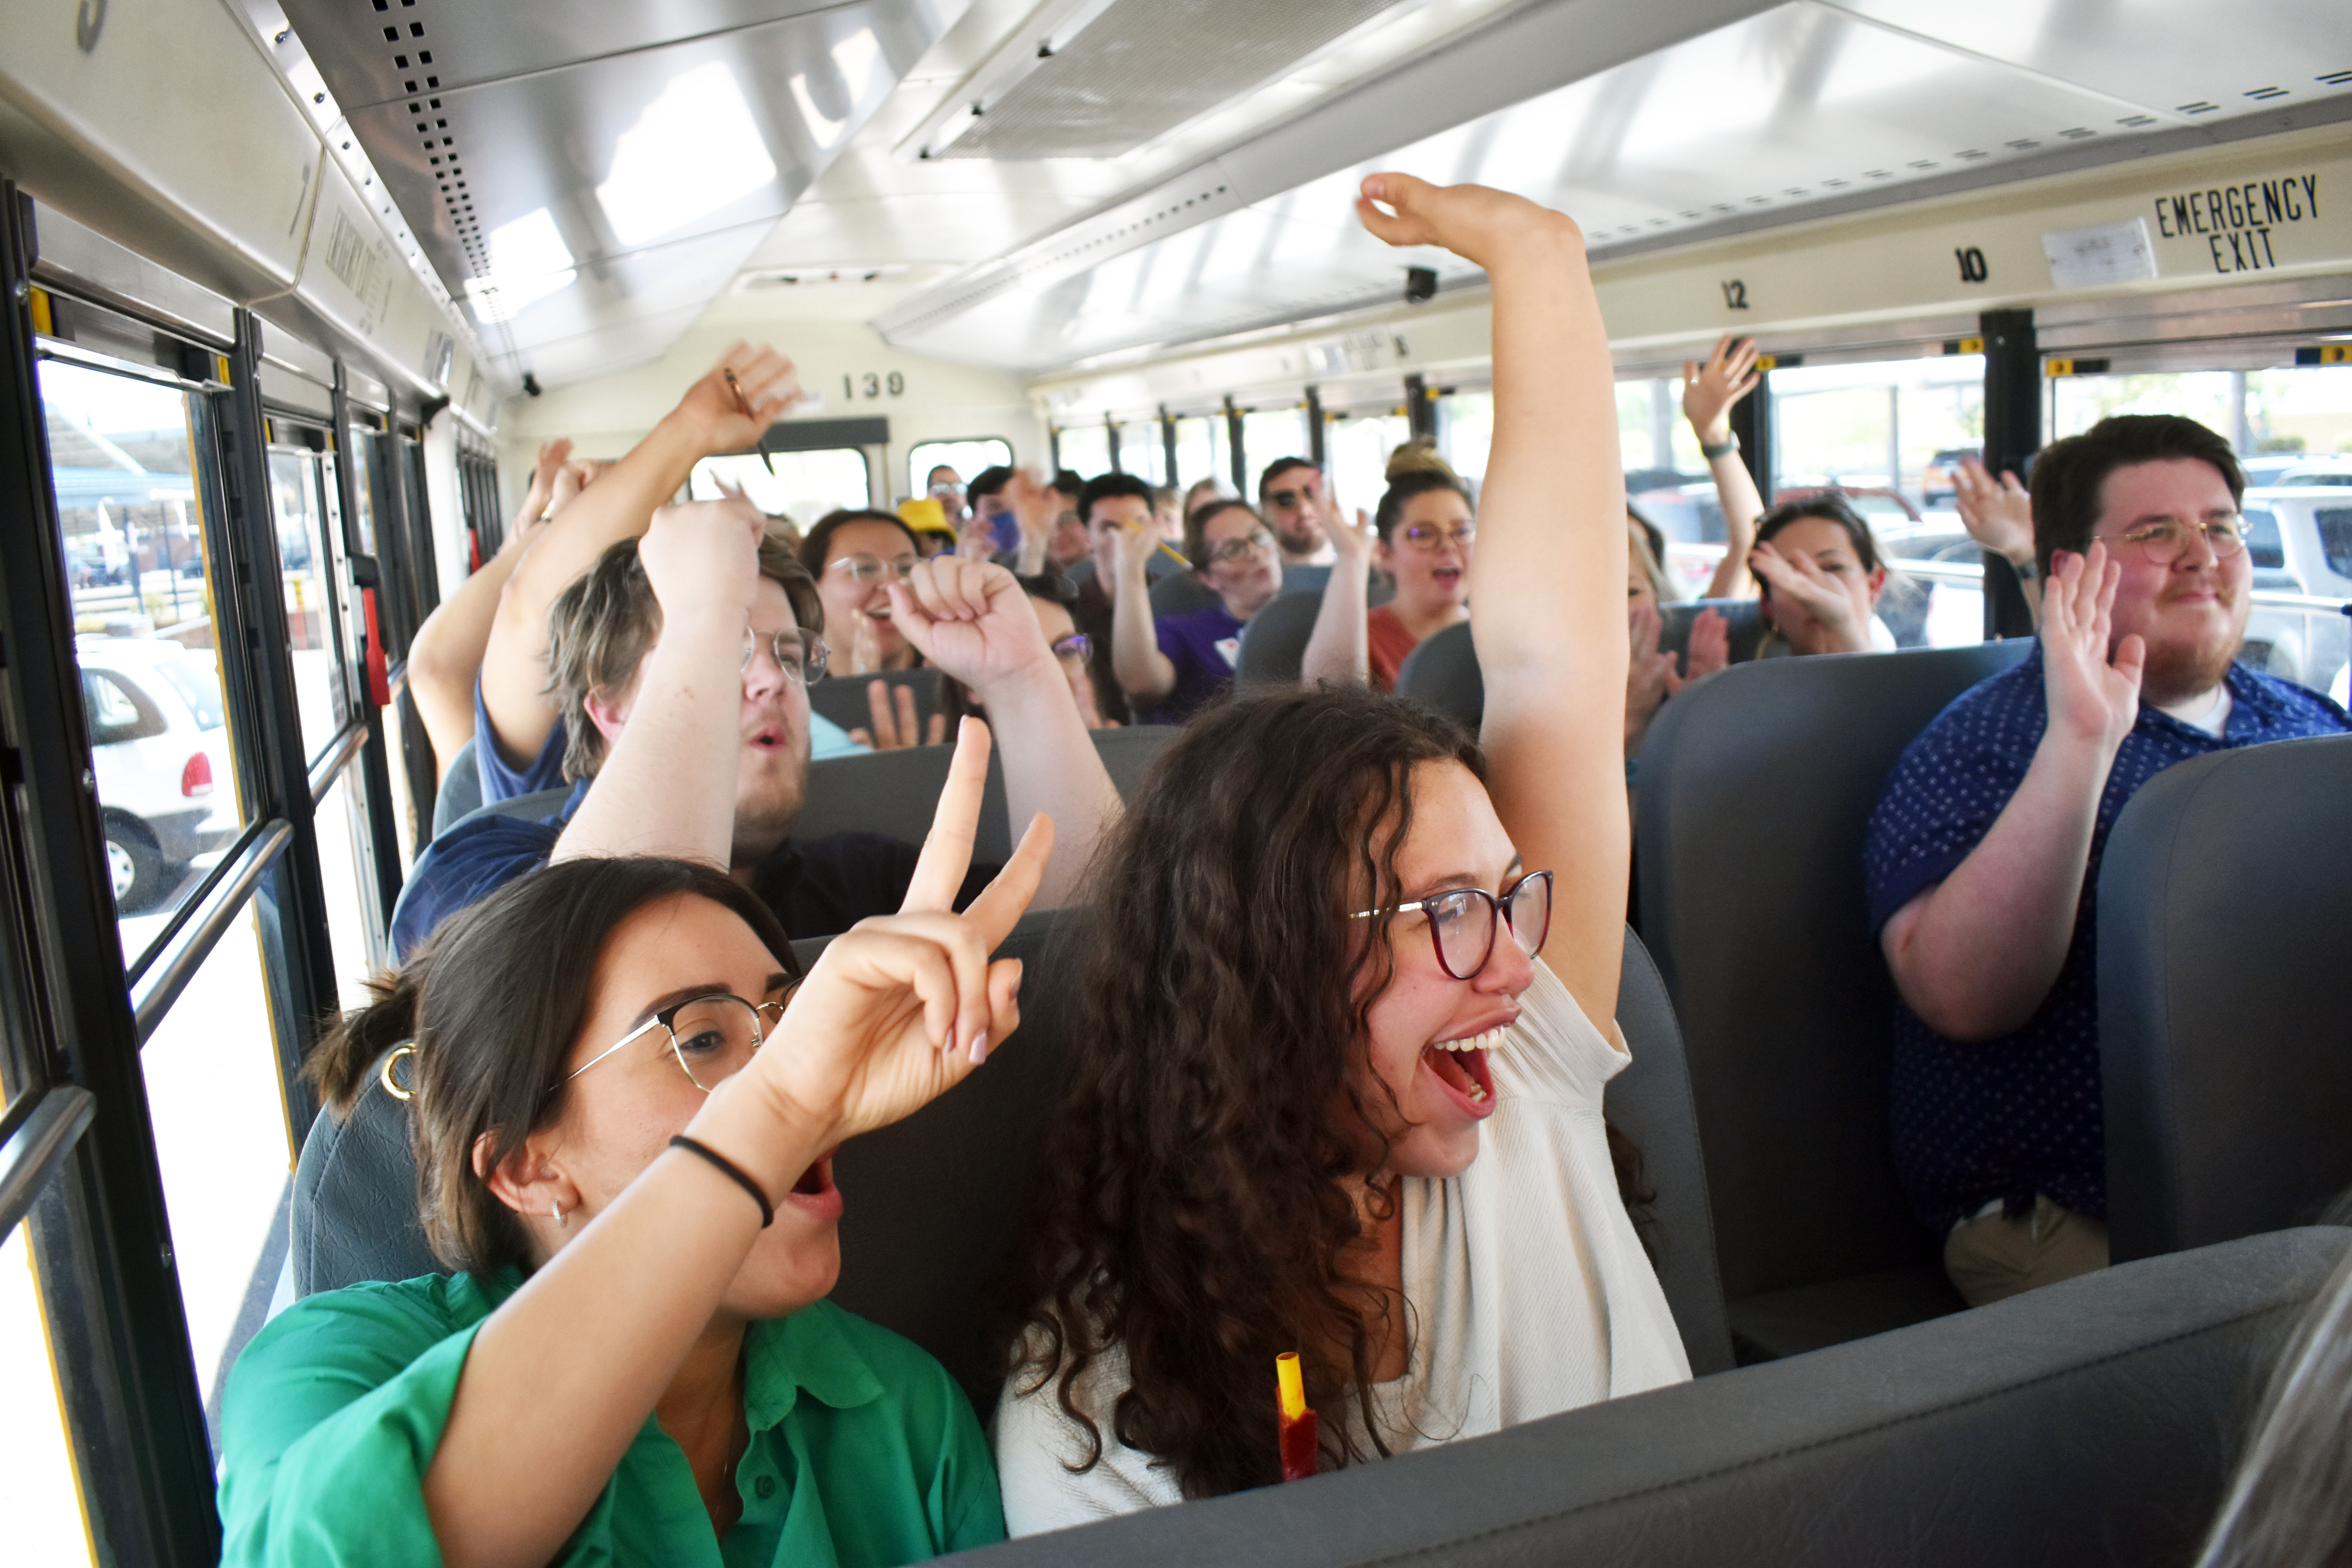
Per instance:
x=2163, y=540
x=711, y=1038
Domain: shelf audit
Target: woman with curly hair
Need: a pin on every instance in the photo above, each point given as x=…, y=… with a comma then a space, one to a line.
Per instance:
x=1348, y=1012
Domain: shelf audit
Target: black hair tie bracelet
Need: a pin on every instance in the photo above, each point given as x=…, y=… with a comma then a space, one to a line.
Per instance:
x=733, y=1171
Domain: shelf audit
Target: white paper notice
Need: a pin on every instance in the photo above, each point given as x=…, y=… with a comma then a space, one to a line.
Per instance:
x=2110, y=253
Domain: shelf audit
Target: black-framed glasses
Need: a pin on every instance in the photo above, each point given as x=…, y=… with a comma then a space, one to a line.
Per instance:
x=1077, y=644
x=2164, y=540
x=1462, y=921
x=1430, y=541
x=870, y=569
x=803, y=658
x=1235, y=549
x=710, y=1037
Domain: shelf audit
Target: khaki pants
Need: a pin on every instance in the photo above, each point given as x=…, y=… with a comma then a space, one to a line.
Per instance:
x=1994, y=1257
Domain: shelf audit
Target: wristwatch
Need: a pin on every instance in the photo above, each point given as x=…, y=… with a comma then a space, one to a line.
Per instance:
x=1711, y=452
x=2027, y=571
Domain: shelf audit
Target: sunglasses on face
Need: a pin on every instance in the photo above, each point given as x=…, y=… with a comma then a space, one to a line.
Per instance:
x=1288, y=498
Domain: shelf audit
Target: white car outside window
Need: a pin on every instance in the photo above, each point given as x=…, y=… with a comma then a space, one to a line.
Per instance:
x=159, y=748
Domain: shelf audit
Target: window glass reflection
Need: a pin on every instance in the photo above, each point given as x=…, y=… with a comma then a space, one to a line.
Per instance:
x=1085, y=449
x=37, y=1496
x=1142, y=452
x=804, y=487
x=968, y=458
x=320, y=697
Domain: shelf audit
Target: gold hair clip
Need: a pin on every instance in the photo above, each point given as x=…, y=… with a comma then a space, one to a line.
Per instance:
x=383, y=1075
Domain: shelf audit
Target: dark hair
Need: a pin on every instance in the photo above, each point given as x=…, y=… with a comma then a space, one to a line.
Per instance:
x=939, y=468
x=1105, y=487
x=1276, y=468
x=1830, y=507
x=1402, y=490
x=987, y=482
x=1067, y=482
x=1196, y=1214
x=1196, y=528
x=493, y=1005
x=600, y=627
x=819, y=538
x=2068, y=474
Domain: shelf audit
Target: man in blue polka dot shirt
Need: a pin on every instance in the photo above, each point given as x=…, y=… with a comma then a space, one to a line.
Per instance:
x=1983, y=854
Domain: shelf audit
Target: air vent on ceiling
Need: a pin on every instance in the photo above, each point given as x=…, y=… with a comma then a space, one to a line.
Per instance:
x=817, y=277
x=1119, y=83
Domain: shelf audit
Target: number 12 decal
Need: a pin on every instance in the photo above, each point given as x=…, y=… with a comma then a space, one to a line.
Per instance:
x=1734, y=295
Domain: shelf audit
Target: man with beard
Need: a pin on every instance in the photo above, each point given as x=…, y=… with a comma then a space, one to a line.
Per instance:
x=1290, y=494
x=681, y=663
x=1983, y=854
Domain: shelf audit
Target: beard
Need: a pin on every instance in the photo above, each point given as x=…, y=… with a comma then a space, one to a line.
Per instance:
x=1303, y=539
x=767, y=806
x=2178, y=671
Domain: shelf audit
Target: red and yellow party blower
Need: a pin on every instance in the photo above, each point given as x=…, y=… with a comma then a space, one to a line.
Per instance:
x=1297, y=1423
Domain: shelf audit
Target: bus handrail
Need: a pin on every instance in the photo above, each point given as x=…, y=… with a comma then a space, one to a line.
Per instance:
x=38, y=1146
x=329, y=766
x=153, y=993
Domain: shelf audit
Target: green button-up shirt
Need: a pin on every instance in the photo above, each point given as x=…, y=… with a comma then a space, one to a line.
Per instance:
x=864, y=1452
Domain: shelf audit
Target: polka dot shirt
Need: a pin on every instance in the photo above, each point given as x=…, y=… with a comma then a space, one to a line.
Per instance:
x=2008, y=1118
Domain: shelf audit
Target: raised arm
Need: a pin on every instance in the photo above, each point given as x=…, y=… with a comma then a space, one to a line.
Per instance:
x=1999, y=515
x=667, y=784
x=559, y=1381
x=1975, y=954
x=715, y=415
x=1339, y=649
x=1708, y=393
x=1144, y=673
x=1548, y=578
x=972, y=620
x=446, y=654
x=1035, y=505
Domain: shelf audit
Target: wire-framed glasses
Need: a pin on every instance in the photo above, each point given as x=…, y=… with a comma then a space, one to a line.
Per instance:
x=2163, y=540
x=1077, y=646
x=1235, y=549
x=870, y=569
x=802, y=657
x=710, y=1037
x=1462, y=921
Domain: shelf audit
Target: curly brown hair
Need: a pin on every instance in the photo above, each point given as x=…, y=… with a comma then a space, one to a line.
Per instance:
x=1196, y=1210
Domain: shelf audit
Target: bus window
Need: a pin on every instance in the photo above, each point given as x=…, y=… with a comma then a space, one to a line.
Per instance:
x=967, y=457
x=215, y=1101
x=1142, y=452
x=134, y=548
x=804, y=487
x=1356, y=448
x=345, y=867
x=360, y=447
x=321, y=697
x=1200, y=451
x=2283, y=420
x=1269, y=433
x=1466, y=429
x=36, y=1480
x=1084, y=449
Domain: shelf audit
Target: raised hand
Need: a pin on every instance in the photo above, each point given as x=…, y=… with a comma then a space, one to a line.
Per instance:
x=1137, y=542
x=895, y=730
x=971, y=620
x=902, y=1007
x=1842, y=604
x=1036, y=504
x=702, y=559
x=1473, y=221
x=1998, y=515
x=574, y=477
x=1710, y=646
x=731, y=408
x=1650, y=677
x=1351, y=542
x=2092, y=697
x=1710, y=390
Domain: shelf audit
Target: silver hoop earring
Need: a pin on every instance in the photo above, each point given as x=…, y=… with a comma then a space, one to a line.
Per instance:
x=563, y=1220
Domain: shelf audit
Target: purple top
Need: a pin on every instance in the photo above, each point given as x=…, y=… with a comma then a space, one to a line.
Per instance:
x=1204, y=646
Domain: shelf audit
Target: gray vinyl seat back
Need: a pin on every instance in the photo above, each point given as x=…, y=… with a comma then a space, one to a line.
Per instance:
x=1274, y=643
x=1746, y=625
x=2225, y=999
x=1650, y=1102
x=1755, y=789
x=1443, y=673
x=895, y=794
x=539, y=805
x=2092, y=1421
x=1129, y=752
x=1180, y=593
x=460, y=793
x=843, y=698
x=354, y=1215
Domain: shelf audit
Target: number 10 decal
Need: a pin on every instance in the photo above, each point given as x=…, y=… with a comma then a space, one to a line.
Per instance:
x=1972, y=265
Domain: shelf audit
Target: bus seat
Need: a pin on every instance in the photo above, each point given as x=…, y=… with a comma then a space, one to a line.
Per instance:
x=1180, y=593
x=460, y=793
x=354, y=1211
x=1650, y=1102
x=2223, y=900
x=542, y=805
x=2092, y=1421
x=1129, y=752
x=1274, y=643
x=1746, y=618
x=1442, y=674
x=843, y=699
x=896, y=793
x=1755, y=790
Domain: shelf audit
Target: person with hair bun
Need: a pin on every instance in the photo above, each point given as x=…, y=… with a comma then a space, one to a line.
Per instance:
x=1348, y=1013
x=632, y=1360
x=1422, y=535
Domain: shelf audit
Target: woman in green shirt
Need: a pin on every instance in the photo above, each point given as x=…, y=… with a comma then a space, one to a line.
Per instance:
x=632, y=1363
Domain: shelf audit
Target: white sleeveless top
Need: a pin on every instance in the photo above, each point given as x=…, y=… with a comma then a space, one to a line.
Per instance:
x=1529, y=1291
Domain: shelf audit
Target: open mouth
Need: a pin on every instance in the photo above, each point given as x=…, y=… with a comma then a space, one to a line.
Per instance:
x=1462, y=1070
x=771, y=739
x=1447, y=576
x=882, y=615
x=815, y=1194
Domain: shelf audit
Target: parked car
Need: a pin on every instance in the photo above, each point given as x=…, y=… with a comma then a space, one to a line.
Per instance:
x=2264, y=467
x=159, y=747
x=1935, y=483
x=2335, y=470
x=2299, y=540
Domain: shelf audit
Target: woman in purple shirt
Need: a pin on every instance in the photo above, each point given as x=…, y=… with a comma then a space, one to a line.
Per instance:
x=1172, y=665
